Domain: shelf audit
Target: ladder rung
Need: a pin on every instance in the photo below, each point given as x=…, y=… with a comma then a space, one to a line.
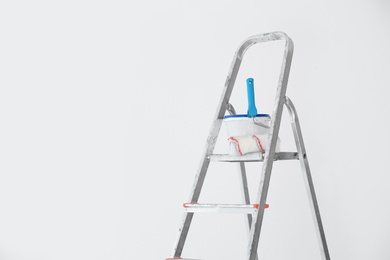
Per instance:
x=222, y=208
x=252, y=157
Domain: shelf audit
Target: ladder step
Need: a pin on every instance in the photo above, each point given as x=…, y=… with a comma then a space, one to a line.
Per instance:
x=252, y=157
x=181, y=259
x=222, y=208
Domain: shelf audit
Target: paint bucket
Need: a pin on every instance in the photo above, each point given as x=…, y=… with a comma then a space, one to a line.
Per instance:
x=242, y=125
x=250, y=123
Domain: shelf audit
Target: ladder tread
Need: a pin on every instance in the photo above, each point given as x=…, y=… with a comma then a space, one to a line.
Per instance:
x=181, y=259
x=252, y=157
x=222, y=208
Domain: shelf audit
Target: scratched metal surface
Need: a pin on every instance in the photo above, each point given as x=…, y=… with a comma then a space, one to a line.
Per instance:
x=255, y=221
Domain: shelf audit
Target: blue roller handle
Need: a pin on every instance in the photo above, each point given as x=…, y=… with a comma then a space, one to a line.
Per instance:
x=252, y=111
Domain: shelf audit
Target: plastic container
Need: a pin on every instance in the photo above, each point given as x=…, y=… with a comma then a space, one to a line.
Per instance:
x=242, y=125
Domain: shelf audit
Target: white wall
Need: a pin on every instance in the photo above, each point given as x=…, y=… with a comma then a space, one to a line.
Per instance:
x=105, y=107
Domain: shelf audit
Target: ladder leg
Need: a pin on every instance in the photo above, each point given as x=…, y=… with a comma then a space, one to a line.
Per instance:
x=308, y=179
x=199, y=178
x=245, y=190
x=187, y=217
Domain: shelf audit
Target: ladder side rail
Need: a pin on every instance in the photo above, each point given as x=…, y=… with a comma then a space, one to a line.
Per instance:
x=209, y=148
x=215, y=128
x=308, y=179
x=270, y=152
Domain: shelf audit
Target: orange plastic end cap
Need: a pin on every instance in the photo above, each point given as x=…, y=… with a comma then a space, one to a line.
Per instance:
x=257, y=206
x=186, y=206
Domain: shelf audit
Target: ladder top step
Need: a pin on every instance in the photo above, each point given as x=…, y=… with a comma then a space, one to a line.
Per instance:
x=252, y=157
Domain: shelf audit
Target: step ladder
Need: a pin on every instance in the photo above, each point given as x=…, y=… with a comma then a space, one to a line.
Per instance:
x=255, y=212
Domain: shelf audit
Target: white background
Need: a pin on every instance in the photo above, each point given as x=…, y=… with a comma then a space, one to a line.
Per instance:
x=105, y=107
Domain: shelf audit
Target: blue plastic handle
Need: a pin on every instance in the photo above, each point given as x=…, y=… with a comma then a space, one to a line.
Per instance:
x=252, y=111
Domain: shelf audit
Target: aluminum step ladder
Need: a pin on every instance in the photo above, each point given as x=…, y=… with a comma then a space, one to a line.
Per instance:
x=255, y=212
